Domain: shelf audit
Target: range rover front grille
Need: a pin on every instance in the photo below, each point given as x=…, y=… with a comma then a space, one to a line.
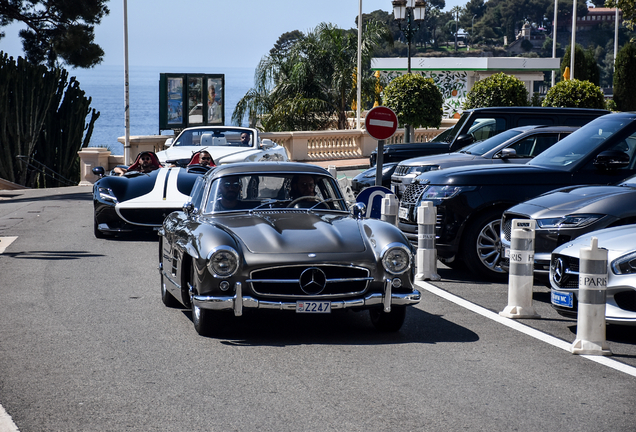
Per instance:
x=401, y=171
x=412, y=193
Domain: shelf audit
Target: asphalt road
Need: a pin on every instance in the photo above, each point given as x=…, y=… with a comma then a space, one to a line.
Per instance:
x=87, y=345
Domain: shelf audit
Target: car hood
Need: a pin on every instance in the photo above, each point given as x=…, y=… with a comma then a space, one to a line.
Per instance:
x=617, y=241
x=291, y=232
x=440, y=159
x=587, y=199
x=519, y=174
x=220, y=154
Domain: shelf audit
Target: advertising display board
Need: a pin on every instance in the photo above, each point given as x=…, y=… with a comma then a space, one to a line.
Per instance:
x=191, y=100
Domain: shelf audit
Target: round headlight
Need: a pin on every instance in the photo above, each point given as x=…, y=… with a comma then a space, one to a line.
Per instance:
x=223, y=261
x=396, y=259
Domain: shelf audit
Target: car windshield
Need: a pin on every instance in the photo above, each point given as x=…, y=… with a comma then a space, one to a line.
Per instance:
x=581, y=143
x=204, y=137
x=481, y=147
x=243, y=192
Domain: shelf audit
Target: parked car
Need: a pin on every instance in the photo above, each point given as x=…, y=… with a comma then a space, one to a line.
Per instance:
x=471, y=200
x=138, y=202
x=225, y=144
x=568, y=213
x=481, y=123
x=620, y=304
x=367, y=178
x=307, y=254
x=516, y=145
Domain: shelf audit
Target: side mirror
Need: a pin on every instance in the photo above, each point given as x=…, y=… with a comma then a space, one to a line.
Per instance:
x=461, y=142
x=189, y=208
x=267, y=144
x=508, y=153
x=611, y=160
x=98, y=171
x=168, y=142
x=358, y=210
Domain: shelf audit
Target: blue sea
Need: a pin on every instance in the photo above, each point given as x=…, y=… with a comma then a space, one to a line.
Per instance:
x=105, y=85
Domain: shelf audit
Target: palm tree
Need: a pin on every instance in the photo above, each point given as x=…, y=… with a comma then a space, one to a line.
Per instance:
x=309, y=84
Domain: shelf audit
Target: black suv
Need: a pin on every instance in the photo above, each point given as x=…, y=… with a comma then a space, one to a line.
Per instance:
x=470, y=200
x=481, y=123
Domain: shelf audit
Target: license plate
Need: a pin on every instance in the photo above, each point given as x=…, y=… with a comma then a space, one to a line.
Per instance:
x=403, y=213
x=313, y=307
x=561, y=299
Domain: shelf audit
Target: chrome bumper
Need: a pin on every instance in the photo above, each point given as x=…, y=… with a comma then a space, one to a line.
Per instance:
x=238, y=301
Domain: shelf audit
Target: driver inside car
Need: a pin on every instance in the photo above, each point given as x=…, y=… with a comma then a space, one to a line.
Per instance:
x=302, y=185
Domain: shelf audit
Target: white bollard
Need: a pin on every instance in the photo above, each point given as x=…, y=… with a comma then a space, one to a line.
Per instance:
x=333, y=171
x=426, y=252
x=590, y=320
x=520, y=278
x=389, y=210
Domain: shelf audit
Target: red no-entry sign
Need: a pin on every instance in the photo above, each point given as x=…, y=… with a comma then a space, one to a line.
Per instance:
x=381, y=122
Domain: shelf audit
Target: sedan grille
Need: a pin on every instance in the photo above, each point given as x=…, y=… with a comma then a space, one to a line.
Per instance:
x=506, y=225
x=564, y=271
x=412, y=193
x=139, y=216
x=307, y=280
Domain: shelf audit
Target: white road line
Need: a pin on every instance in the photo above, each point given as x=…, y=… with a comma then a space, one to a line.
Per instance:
x=5, y=242
x=516, y=325
x=6, y=424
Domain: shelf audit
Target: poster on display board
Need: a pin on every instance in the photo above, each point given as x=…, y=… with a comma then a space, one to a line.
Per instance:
x=191, y=100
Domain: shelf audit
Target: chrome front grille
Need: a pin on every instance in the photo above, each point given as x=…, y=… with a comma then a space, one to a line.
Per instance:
x=412, y=193
x=507, y=225
x=292, y=281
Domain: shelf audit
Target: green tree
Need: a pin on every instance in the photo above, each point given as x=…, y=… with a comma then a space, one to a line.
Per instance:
x=57, y=29
x=415, y=100
x=575, y=94
x=585, y=66
x=624, y=83
x=310, y=86
x=42, y=120
x=497, y=90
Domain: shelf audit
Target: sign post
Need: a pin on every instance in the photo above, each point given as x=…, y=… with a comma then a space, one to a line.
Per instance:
x=381, y=123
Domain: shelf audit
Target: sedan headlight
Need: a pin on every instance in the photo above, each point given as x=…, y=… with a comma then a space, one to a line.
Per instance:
x=107, y=194
x=396, y=258
x=569, y=221
x=223, y=261
x=625, y=265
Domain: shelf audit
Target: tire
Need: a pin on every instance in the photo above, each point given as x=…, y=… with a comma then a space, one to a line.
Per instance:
x=167, y=298
x=482, y=250
x=201, y=318
x=388, y=322
x=97, y=232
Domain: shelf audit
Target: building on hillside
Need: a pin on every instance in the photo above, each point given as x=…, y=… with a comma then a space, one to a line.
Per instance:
x=455, y=76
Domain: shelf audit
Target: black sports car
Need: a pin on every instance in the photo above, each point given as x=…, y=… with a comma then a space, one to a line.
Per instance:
x=138, y=201
x=280, y=236
x=568, y=213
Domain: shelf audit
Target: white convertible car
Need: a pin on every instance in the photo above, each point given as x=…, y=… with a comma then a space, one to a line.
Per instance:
x=226, y=144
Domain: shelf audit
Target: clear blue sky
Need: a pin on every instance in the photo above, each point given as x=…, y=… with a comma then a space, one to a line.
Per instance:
x=210, y=33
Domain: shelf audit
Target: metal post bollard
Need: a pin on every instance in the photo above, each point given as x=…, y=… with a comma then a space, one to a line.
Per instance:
x=590, y=320
x=426, y=252
x=333, y=171
x=520, y=278
x=389, y=209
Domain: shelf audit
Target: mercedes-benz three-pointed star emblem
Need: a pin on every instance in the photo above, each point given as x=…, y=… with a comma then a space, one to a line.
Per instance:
x=560, y=269
x=312, y=281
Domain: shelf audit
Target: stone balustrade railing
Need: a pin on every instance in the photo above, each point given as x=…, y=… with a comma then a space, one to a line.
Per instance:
x=301, y=146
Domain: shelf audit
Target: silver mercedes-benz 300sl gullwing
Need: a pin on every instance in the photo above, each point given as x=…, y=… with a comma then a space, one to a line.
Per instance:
x=281, y=236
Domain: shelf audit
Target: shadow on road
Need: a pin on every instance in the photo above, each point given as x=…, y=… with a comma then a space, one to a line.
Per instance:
x=275, y=328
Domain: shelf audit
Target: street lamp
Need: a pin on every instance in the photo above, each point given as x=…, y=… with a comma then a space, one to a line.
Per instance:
x=409, y=15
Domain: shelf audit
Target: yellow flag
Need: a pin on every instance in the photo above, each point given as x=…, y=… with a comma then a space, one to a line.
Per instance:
x=566, y=74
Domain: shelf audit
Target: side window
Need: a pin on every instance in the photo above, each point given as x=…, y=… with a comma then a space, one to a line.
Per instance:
x=484, y=128
x=543, y=142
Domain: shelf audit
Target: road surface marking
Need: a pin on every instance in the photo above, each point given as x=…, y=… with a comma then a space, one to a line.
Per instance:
x=516, y=325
